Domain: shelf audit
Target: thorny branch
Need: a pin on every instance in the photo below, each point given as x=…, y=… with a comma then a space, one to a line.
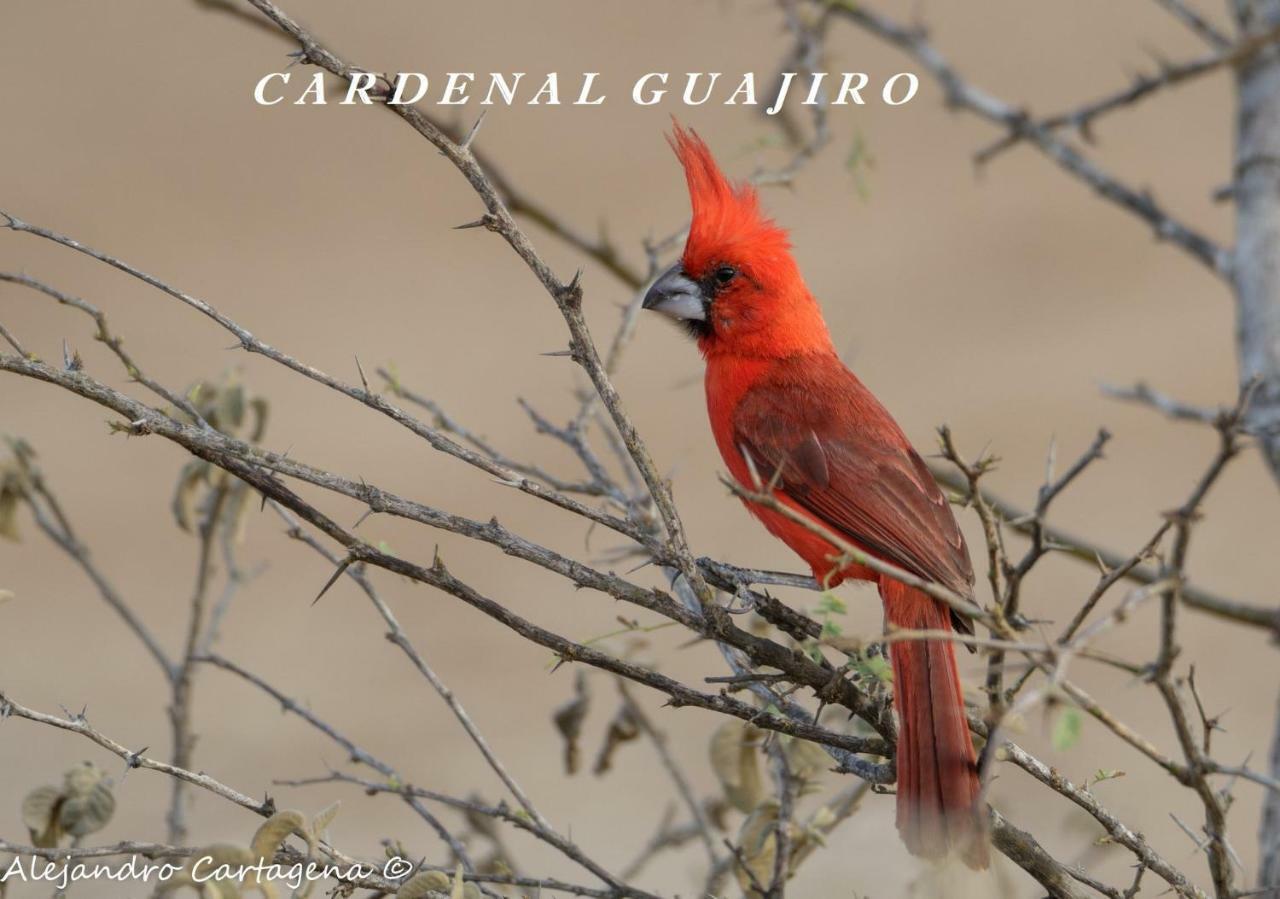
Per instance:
x=254, y=466
x=771, y=670
x=960, y=94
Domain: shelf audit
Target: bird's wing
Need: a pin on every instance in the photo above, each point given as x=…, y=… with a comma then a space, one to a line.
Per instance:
x=841, y=458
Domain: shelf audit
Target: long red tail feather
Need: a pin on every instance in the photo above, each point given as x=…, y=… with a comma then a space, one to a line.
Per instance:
x=938, y=785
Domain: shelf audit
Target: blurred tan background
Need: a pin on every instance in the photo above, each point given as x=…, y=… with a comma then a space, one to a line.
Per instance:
x=997, y=304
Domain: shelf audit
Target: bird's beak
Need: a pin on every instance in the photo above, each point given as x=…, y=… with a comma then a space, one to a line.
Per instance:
x=675, y=295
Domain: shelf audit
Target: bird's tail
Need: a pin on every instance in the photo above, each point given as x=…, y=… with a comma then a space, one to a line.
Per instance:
x=938, y=785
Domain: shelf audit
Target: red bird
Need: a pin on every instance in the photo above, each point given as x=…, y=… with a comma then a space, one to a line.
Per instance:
x=786, y=410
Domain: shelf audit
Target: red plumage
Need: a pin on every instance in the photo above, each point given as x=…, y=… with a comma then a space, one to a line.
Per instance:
x=782, y=406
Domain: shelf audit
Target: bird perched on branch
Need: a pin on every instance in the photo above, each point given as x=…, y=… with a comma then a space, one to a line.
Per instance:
x=788, y=416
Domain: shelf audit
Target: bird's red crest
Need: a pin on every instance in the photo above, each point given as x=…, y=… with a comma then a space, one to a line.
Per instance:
x=727, y=221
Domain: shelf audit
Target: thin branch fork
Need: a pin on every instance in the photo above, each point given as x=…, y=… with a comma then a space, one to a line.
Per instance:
x=1221, y=862
x=250, y=343
x=143, y=420
x=251, y=474
x=1209, y=33
x=1019, y=518
x=79, y=724
x=399, y=638
x=533, y=822
x=248, y=469
x=567, y=296
x=1083, y=117
x=960, y=94
x=226, y=453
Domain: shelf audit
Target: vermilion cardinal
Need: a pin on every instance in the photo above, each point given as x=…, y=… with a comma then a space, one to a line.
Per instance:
x=785, y=410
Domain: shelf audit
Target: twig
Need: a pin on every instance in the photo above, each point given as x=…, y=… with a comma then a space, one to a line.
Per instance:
x=1116, y=829
x=105, y=336
x=960, y=94
x=567, y=296
x=248, y=463
x=50, y=518
x=683, y=787
x=1082, y=117
x=1018, y=519
x=397, y=636
x=1143, y=394
x=354, y=751
x=79, y=724
x=412, y=794
x=72, y=853
x=1182, y=11
x=184, y=672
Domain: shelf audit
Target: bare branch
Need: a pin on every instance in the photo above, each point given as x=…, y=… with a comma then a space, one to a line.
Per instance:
x=1083, y=117
x=960, y=94
x=1182, y=11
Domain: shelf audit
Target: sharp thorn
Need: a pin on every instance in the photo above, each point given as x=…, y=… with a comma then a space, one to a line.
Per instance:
x=363, y=379
x=346, y=563
x=475, y=129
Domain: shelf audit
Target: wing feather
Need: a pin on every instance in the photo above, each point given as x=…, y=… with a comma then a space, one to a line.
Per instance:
x=837, y=454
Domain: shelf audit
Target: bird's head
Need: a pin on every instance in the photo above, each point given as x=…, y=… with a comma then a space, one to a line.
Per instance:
x=736, y=287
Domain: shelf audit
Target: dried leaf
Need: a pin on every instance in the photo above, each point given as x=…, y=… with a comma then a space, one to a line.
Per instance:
x=271, y=836
x=481, y=823
x=320, y=823
x=9, y=515
x=40, y=815
x=735, y=760
x=461, y=889
x=758, y=845
x=236, y=515
x=193, y=475
x=824, y=818
x=568, y=721
x=231, y=408
x=276, y=829
x=87, y=800
x=622, y=729
x=807, y=761
x=260, y=409
x=422, y=885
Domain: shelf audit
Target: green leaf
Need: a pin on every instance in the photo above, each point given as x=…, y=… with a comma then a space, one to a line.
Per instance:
x=831, y=604
x=1066, y=730
x=876, y=667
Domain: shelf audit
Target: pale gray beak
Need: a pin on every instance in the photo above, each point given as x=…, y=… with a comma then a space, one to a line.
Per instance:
x=677, y=296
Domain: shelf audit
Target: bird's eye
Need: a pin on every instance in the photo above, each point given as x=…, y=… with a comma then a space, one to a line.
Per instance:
x=725, y=273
